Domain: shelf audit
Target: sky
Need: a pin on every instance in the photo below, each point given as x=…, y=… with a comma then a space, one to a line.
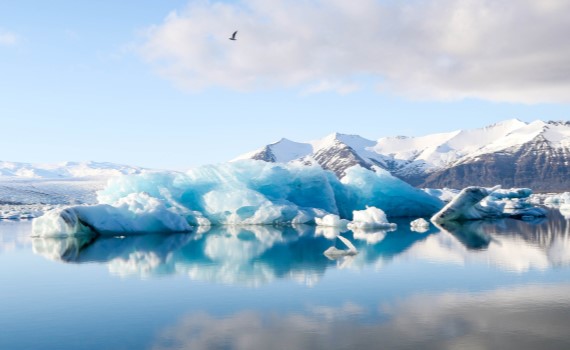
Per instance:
x=158, y=84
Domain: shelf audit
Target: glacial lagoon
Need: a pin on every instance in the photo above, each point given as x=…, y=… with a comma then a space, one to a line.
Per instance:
x=484, y=284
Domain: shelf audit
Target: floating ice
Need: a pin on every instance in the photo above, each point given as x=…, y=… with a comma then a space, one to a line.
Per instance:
x=370, y=218
x=475, y=203
x=561, y=201
x=511, y=193
x=238, y=193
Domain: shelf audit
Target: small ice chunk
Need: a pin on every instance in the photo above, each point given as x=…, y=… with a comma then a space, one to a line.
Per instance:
x=370, y=218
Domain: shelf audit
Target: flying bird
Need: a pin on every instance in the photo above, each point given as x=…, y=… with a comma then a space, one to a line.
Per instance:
x=233, y=36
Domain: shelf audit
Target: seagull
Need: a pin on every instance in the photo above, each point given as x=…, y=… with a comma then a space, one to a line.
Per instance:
x=233, y=36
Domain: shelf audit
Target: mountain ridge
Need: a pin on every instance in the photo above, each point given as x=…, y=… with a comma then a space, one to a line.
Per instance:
x=510, y=153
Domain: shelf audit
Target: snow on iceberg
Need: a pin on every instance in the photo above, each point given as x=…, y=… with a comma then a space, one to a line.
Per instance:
x=135, y=214
x=238, y=193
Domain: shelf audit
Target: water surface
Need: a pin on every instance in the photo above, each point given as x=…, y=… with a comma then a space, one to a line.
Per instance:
x=497, y=284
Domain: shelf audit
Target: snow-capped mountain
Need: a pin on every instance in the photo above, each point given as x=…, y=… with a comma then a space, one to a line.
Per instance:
x=510, y=153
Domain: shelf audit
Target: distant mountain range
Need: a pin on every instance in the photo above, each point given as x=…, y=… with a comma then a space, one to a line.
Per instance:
x=64, y=170
x=62, y=183
x=511, y=153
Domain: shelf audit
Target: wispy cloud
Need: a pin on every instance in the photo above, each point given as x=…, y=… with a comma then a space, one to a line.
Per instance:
x=7, y=38
x=435, y=49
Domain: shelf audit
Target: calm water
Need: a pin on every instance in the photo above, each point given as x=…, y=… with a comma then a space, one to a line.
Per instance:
x=496, y=285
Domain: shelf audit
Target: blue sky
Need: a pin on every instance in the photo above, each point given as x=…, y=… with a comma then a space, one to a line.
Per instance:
x=126, y=82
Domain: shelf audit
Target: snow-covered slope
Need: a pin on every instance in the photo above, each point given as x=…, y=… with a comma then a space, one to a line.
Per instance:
x=63, y=183
x=482, y=155
x=63, y=170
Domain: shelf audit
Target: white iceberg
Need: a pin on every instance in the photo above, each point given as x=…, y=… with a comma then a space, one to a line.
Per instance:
x=476, y=203
x=370, y=218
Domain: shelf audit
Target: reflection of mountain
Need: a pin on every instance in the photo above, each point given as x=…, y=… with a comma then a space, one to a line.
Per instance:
x=254, y=255
x=520, y=318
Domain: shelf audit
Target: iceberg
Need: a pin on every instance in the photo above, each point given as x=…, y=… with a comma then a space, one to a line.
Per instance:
x=476, y=203
x=246, y=192
x=137, y=213
x=560, y=201
x=370, y=218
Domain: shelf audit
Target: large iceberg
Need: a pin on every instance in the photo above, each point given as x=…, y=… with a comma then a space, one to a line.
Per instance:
x=238, y=193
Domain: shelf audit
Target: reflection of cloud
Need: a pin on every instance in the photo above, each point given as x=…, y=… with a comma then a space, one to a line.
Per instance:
x=14, y=235
x=7, y=38
x=511, y=253
x=521, y=318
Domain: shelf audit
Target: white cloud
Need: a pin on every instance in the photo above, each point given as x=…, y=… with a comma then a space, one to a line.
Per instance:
x=7, y=38
x=434, y=49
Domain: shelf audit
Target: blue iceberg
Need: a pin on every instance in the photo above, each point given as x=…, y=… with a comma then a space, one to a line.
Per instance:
x=239, y=193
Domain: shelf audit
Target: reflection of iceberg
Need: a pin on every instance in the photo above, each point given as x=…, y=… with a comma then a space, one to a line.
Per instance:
x=522, y=246
x=248, y=255
x=471, y=233
x=420, y=225
x=142, y=255
x=372, y=236
x=335, y=253
x=239, y=193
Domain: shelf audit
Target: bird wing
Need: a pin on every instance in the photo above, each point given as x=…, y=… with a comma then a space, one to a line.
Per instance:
x=234, y=34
